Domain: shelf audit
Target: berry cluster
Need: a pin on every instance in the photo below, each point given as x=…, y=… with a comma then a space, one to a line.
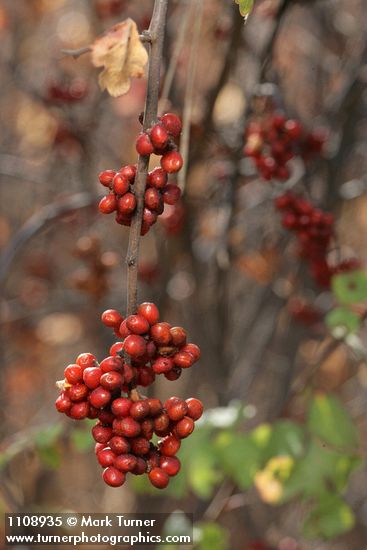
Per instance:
x=314, y=229
x=121, y=198
x=273, y=140
x=153, y=347
x=127, y=423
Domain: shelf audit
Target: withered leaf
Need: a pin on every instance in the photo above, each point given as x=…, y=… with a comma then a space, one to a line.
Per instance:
x=122, y=55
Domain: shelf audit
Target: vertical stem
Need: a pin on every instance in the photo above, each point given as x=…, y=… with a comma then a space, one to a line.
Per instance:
x=156, y=39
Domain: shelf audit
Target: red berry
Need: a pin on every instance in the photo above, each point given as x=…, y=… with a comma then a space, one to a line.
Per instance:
x=128, y=172
x=99, y=397
x=111, y=363
x=184, y=427
x=125, y=462
x=106, y=457
x=161, y=422
x=78, y=392
x=63, y=403
x=173, y=374
x=193, y=349
x=160, y=333
x=155, y=406
x=127, y=427
x=85, y=360
x=184, y=359
x=105, y=417
x=79, y=411
x=172, y=123
x=135, y=345
x=108, y=204
x=172, y=162
x=137, y=324
x=293, y=128
x=111, y=318
x=157, y=178
x=113, y=477
x=152, y=199
x=162, y=364
x=106, y=177
x=147, y=428
x=99, y=447
x=123, y=330
x=178, y=336
x=139, y=409
x=112, y=380
x=159, y=136
x=150, y=312
x=91, y=377
x=141, y=467
x=101, y=434
x=146, y=376
x=195, y=408
x=149, y=217
x=119, y=445
x=177, y=410
x=171, y=194
x=120, y=184
x=158, y=478
x=121, y=406
x=140, y=446
x=116, y=348
x=143, y=145
x=126, y=204
x=73, y=374
x=170, y=464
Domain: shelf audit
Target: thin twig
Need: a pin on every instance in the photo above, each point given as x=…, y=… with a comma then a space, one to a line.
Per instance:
x=156, y=32
x=189, y=92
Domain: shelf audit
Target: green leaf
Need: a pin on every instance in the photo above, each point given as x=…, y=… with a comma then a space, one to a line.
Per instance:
x=81, y=440
x=239, y=457
x=350, y=288
x=328, y=420
x=329, y=518
x=343, y=317
x=45, y=437
x=245, y=7
x=286, y=438
x=203, y=476
x=50, y=456
x=211, y=536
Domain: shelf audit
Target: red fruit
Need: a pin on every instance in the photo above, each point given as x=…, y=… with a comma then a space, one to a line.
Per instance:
x=119, y=445
x=99, y=447
x=289, y=221
x=99, y=397
x=78, y=392
x=293, y=128
x=112, y=380
x=105, y=417
x=160, y=333
x=128, y=172
x=93, y=412
x=120, y=184
x=173, y=374
x=155, y=406
x=171, y=194
x=177, y=410
x=101, y=434
x=92, y=376
x=152, y=199
x=283, y=202
x=143, y=145
x=161, y=422
x=146, y=376
x=125, y=462
x=151, y=349
x=193, y=349
x=147, y=428
x=79, y=411
x=129, y=373
x=141, y=467
x=170, y=464
x=162, y=364
x=150, y=312
x=106, y=457
x=178, y=336
x=111, y=363
x=63, y=403
x=278, y=121
x=111, y=318
x=126, y=204
x=172, y=162
x=127, y=427
x=135, y=345
x=157, y=178
x=139, y=409
x=106, y=177
x=137, y=324
x=140, y=446
x=183, y=359
x=159, y=136
x=184, y=427
x=195, y=408
x=73, y=374
x=149, y=217
x=113, y=477
x=153, y=459
x=123, y=330
x=108, y=204
x=172, y=123
x=121, y=406
x=158, y=478
x=86, y=360
x=116, y=348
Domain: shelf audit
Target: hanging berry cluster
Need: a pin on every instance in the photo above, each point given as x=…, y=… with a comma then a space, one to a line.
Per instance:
x=127, y=423
x=160, y=140
x=314, y=229
x=272, y=140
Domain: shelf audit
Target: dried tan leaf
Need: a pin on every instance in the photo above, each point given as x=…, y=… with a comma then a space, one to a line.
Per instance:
x=122, y=55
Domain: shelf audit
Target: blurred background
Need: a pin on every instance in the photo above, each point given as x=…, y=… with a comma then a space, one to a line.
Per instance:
x=278, y=460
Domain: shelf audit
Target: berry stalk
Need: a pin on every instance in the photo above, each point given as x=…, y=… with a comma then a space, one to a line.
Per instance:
x=156, y=35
